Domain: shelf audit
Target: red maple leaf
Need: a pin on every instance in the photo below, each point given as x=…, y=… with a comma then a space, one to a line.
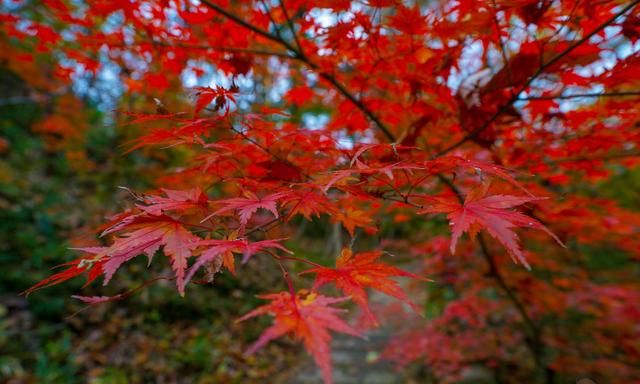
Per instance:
x=224, y=249
x=91, y=265
x=308, y=203
x=307, y=316
x=247, y=206
x=205, y=95
x=352, y=218
x=491, y=213
x=147, y=238
x=175, y=201
x=354, y=273
x=450, y=163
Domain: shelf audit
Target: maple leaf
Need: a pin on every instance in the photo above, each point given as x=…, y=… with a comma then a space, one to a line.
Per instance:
x=336, y=178
x=223, y=250
x=447, y=163
x=205, y=95
x=354, y=273
x=228, y=259
x=147, y=238
x=299, y=95
x=514, y=3
x=365, y=148
x=91, y=265
x=143, y=117
x=352, y=218
x=218, y=250
x=249, y=205
x=385, y=169
x=175, y=201
x=307, y=203
x=280, y=170
x=307, y=316
x=251, y=249
x=492, y=214
x=189, y=132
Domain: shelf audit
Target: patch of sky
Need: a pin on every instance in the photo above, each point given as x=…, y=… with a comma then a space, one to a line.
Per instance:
x=11, y=5
x=104, y=89
x=315, y=121
x=324, y=18
x=468, y=73
x=213, y=77
x=347, y=140
x=281, y=83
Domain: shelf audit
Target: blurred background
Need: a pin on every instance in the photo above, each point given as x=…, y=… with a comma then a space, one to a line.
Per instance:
x=61, y=162
x=62, y=159
x=60, y=166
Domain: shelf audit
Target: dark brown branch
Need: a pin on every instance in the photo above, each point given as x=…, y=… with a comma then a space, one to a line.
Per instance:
x=535, y=342
x=381, y=126
x=270, y=16
x=299, y=55
x=290, y=24
x=248, y=26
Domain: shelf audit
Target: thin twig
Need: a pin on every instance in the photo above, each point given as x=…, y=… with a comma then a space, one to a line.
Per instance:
x=270, y=16
x=291, y=27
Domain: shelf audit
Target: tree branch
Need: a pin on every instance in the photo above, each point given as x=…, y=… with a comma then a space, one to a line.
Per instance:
x=381, y=126
x=290, y=24
x=275, y=25
x=536, y=344
x=298, y=55
x=248, y=26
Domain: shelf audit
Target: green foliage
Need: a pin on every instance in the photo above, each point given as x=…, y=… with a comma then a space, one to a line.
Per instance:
x=44, y=198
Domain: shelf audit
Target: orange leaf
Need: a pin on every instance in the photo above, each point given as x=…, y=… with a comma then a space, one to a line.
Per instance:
x=492, y=214
x=308, y=317
x=354, y=273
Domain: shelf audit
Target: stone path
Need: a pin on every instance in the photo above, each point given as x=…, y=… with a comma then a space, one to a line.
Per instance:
x=354, y=362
